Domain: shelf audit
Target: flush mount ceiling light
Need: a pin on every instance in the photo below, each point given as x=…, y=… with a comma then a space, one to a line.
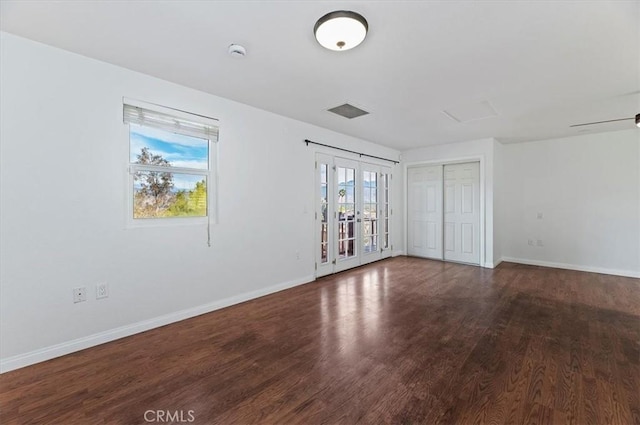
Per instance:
x=341, y=30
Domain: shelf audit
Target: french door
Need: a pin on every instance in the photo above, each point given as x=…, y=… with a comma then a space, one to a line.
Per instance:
x=347, y=214
x=353, y=213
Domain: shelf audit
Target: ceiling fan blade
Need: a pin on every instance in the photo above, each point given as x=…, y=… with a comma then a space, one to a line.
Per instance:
x=600, y=122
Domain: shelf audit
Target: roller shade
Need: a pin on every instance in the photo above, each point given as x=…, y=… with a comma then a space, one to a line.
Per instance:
x=172, y=120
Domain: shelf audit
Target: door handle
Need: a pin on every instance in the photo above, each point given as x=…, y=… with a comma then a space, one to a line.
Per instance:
x=359, y=220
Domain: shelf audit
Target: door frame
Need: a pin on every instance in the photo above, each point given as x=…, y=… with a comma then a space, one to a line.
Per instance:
x=456, y=160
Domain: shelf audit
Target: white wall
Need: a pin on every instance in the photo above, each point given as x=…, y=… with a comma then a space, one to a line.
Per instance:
x=588, y=191
x=482, y=150
x=499, y=206
x=64, y=152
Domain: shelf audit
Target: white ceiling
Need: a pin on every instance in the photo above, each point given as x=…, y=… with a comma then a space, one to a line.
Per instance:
x=542, y=65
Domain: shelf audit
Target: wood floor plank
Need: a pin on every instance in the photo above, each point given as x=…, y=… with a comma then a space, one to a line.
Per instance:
x=400, y=341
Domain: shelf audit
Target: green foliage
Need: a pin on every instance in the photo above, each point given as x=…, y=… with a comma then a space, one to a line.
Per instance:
x=180, y=205
x=198, y=198
x=154, y=196
x=190, y=204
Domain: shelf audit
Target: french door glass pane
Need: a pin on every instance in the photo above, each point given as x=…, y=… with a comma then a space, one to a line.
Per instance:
x=324, y=228
x=346, y=212
x=370, y=211
x=385, y=210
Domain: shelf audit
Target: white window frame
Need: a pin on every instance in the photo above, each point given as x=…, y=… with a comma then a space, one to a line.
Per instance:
x=210, y=174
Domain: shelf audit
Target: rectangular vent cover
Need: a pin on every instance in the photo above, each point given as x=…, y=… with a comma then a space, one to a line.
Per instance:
x=348, y=111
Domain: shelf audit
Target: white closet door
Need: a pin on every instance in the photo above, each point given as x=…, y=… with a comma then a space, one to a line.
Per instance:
x=424, y=227
x=462, y=212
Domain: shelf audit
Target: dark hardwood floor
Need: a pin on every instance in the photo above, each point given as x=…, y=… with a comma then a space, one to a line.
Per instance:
x=400, y=341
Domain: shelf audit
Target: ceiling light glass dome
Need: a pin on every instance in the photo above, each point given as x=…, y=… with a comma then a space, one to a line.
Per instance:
x=341, y=30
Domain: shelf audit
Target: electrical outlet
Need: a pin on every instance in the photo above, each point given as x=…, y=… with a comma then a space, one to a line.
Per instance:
x=540, y=215
x=530, y=242
x=102, y=290
x=79, y=294
x=539, y=242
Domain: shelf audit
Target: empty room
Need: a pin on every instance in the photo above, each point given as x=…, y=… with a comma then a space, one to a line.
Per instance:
x=319, y=212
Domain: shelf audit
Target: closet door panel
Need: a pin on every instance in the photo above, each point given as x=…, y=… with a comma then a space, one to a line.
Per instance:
x=424, y=215
x=462, y=212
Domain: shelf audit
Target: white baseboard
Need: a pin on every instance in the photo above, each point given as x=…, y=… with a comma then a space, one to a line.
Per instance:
x=625, y=273
x=48, y=353
x=397, y=253
x=497, y=262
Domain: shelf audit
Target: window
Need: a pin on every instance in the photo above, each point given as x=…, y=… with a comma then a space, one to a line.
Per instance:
x=170, y=164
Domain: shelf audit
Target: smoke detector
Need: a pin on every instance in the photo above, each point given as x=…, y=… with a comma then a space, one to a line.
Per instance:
x=237, y=51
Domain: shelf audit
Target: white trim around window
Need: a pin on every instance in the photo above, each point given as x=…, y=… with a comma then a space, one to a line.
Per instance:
x=181, y=124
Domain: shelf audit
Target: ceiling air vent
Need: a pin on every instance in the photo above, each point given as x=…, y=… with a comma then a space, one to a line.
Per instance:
x=348, y=111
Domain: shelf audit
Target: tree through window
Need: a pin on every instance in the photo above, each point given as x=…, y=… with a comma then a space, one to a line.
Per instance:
x=169, y=163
